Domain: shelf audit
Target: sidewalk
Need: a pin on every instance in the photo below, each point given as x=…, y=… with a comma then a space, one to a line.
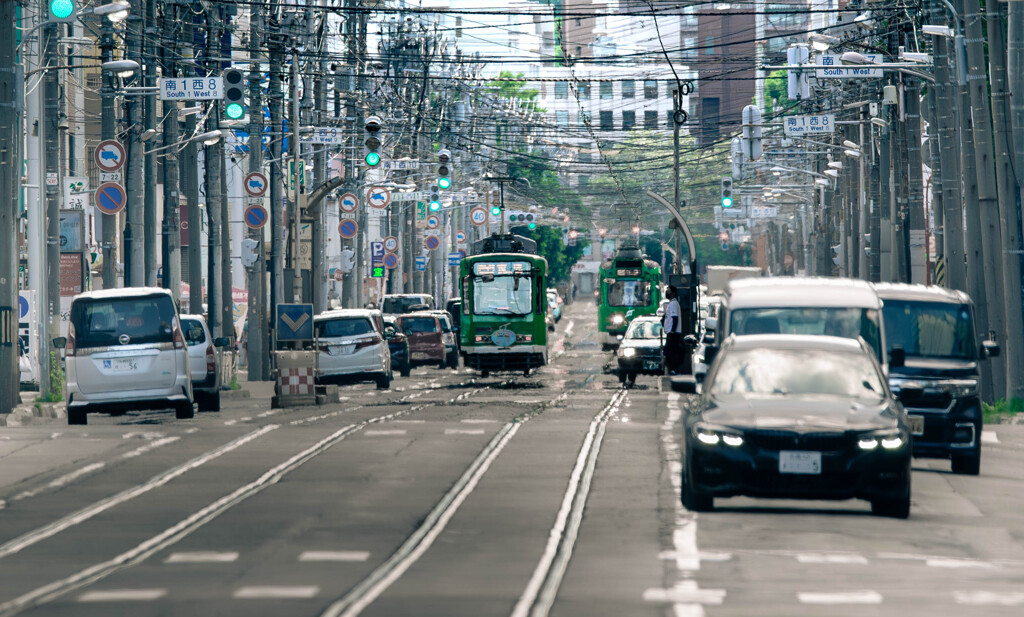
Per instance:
x=29, y=412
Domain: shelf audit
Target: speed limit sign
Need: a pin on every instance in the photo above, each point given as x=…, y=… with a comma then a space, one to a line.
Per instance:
x=391, y=244
x=478, y=216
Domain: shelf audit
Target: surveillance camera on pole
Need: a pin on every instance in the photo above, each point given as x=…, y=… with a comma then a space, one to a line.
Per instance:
x=798, y=80
x=371, y=143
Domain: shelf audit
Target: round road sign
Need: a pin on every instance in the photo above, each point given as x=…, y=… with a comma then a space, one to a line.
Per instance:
x=460, y=237
x=391, y=244
x=433, y=222
x=478, y=216
x=255, y=184
x=391, y=261
x=349, y=202
x=348, y=228
x=255, y=216
x=378, y=197
x=109, y=155
x=110, y=198
x=23, y=307
x=432, y=242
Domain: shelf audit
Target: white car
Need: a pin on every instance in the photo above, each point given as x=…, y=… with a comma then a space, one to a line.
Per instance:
x=353, y=347
x=204, y=361
x=125, y=349
x=26, y=370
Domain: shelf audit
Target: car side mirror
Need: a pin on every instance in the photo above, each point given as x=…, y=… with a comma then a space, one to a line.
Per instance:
x=220, y=341
x=686, y=384
x=690, y=340
x=911, y=393
x=989, y=348
x=897, y=357
x=389, y=333
x=60, y=342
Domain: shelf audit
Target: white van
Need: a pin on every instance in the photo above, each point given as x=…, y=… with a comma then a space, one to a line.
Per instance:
x=842, y=307
x=125, y=350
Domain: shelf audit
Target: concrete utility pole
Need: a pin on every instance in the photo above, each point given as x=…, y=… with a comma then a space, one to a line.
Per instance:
x=294, y=121
x=134, y=230
x=109, y=221
x=171, y=253
x=214, y=158
x=946, y=119
x=916, y=246
x=11, y=80
x=150, y=31
x=318, y=275
x=50, y=123
x=1015, y=70
x=275, y=102
x=259, y=368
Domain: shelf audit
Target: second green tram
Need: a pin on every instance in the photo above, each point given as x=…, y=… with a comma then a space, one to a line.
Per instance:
x=503, y=306
x=630, y=287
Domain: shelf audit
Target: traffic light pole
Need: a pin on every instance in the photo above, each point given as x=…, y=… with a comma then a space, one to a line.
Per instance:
x=51, y=165
x=257, y=362
x=296, y=175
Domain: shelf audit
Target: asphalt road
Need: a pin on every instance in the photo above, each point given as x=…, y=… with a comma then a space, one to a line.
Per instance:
x=452, y=495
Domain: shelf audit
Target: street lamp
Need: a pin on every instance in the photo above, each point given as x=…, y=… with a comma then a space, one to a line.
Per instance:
x=831, y=173
x=854, y=154
x=209, y=138
x=835, y=164
x=823, y=182
x=822, y=42
x=123, y=68
x=115, y=11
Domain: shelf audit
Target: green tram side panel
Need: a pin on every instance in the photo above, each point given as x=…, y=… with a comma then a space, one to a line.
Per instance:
x=530, y=348
x=620, y=270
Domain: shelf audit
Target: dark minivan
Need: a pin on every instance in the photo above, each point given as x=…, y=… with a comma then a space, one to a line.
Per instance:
x=933, y=347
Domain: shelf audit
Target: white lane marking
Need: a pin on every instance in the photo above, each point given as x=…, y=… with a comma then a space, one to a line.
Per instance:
x=540, y=591
x=280, y=593
x=832, y=558
x=334, y=556
x=202, y=557
x=159, y=443
x=55, y=435
x=940, y=562
x=267, y=414
x=989, y=436
x=122, y=595
x=686, y=596
x=421, y=540
x=989, y=598
x=38, y=535
x=479, y=421
x=841, y=597
x=464, y=431
x=385, y=432
x=60, y=482
x=230, y=422
x=409, y=422
x=189, y=431
x=685, y=539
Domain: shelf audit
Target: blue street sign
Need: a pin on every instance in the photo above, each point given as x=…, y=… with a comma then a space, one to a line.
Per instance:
x=294, y=322
x=110, y=198
x=377, y=253
x=23, y=306
x=255, y=216
x=421, y=264
x=391, y=260
x=454, y=259
x=348, y=228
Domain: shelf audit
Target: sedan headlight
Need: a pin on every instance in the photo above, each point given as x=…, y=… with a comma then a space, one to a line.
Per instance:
x=627, y=352
x=960, y=388
x=712, y=435
x=618, y=319
x=888, y=440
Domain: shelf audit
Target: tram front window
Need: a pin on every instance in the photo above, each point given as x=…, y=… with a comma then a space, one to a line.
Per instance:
x=502, y=289
x=629, y=293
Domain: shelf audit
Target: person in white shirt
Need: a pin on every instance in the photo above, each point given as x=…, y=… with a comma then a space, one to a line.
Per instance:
x=673, y=325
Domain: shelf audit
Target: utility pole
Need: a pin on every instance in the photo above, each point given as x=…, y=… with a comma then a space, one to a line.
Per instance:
x=917, y=248
x=214, y=158
x=11, y=79
x=297, y=173
x=171, y=253
x=318, y=275
x=946, y=112
x=51, y=165
x=109, y=221
x=275, y=103
x=150, y=32
x=135, y=211
x=255, y=339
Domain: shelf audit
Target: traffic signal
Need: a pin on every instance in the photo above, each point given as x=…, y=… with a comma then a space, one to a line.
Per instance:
x=495, y=203
x=250, y=252
x=435, y=198
x=371, y=145
x=444, y=174
x=726, y=192
x=63, y=11
x=234, y=94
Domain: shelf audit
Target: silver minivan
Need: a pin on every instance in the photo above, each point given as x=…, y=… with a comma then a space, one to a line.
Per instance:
x=204, y=361
x=125, y=350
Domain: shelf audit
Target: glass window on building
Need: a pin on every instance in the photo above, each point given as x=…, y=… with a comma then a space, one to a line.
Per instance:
x=628, y=120
x=709, y=45
x=561, y=90
x=607, y=123
x=583, y=90
x=650, y=120
x=650, y=89
x=689, y=46
x=606, y=90
x=628, y=89
x=690, y=17
x=562, y=118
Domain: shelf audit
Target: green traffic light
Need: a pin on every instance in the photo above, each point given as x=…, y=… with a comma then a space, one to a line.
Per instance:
x=234, y=111
x=372, y=159
x=533, y=225
x=435, y=206
x=496, y=211
x=727, y=202
x=62, y=9
x=444, y=183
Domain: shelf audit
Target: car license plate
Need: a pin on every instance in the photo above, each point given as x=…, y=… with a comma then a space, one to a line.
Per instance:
x=340, y=350
x=420, y=356
x=651, y=365
x=122, y=365
x=916, y=425
x=795, y=461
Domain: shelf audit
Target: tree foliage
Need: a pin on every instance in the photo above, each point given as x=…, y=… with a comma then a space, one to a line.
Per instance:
x=549, y=246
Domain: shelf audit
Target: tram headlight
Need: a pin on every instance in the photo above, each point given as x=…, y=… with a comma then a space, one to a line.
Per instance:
x=617, y=320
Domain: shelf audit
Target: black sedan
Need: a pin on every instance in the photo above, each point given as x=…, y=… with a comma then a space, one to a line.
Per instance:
x=806, y=417
x=639, y=353
x=398, y=345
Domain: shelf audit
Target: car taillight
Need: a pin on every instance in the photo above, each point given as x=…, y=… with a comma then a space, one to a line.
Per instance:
x=366, y=342
x=69, y=348
x=179, y=338
x=211, y=361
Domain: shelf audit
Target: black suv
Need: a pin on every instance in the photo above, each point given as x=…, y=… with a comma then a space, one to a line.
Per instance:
x=398, y=345
x=933, y=347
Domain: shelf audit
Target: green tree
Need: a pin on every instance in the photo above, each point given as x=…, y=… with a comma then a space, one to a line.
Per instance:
x=776, y=93
x=560, y=258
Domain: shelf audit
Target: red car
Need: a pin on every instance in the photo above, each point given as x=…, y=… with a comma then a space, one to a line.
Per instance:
x=426, y=345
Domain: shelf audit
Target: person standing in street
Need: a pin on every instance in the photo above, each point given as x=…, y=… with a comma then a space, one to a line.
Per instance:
x=673, y=325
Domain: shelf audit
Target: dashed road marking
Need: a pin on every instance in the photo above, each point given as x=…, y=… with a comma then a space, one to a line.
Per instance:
x=464, y=431
x=687, y=594
x=989, y=598
x=384, y=432
x=334, y=556
x=280, y=593
x=841, y=597
x=480, y=421
x=159, y=443
x=202, y=557
x=832, y=558
x=60, y=482
x=123, y=595
x=941, y=562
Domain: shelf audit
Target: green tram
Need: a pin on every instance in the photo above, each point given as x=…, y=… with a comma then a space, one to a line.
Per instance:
x=504, y=303
x=630, y=287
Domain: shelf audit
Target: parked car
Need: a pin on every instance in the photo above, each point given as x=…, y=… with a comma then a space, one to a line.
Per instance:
x=26, y=370
x=353, y=346
x=398, y=345
x=399, y=304
x=640, y=353
x=125, y=350
x=451, y=340
x=204, y=361
x=454, y=308
x=426, y=344
x=797, y=417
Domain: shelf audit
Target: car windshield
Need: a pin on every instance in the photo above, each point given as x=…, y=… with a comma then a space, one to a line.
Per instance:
x=765, y=372
x=829, y=321
x=644, y=330
x=629, y=293
x=502, y=288
x=346, y=326
x=413, y=325
x=399, y=305
x=102, y=322
x=929, y=329
x=194, y=333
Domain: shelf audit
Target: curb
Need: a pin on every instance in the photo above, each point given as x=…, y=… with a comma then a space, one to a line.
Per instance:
x=38, y=413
